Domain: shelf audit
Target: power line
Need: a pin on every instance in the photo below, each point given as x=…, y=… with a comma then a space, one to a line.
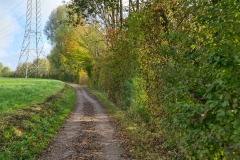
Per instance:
x=8, y=25
x=12, y=9
x=8, y=34
x=2, y=29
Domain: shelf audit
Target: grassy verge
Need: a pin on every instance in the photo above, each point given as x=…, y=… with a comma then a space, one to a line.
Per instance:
x=26, y=131
x=141, y=140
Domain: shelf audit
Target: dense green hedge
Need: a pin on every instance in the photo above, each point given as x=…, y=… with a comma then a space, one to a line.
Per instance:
x=195, y=84
x=177, y=64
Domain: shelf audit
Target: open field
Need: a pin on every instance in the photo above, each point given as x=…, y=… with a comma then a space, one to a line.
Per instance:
x=20, y=93
x=32, y=110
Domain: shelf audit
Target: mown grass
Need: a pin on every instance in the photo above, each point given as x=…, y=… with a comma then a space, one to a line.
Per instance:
x=20, y=93
x=141, y=141
x=26, y=130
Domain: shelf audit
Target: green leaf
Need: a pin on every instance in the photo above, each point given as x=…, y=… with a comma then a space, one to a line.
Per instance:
x=225, y=103
x=221, y=113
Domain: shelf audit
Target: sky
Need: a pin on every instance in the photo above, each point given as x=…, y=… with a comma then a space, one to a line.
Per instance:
x=12, y=25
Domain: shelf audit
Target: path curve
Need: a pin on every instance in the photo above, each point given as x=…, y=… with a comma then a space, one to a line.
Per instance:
x=86, y=135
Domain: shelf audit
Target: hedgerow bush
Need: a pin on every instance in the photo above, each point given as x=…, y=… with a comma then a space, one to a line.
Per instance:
x=190, y=61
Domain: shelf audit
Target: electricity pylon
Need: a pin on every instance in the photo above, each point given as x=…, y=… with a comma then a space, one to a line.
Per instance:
x=32, y=45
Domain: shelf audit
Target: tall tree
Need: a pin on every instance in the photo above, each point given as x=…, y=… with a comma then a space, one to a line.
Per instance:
x=70, y=54
x=6, y=71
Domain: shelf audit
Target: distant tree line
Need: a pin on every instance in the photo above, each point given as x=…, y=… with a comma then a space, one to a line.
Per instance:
x=42, y=72
x=36, y=69
x=5, y=71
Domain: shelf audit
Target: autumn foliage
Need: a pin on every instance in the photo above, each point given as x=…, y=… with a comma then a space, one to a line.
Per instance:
x=175, y=64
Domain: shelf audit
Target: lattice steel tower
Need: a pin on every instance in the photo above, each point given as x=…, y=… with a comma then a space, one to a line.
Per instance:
x=32, y=45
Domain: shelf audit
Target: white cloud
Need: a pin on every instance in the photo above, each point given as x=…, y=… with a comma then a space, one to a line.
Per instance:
x=3, y=54
x=47, y=48
x=8, y=26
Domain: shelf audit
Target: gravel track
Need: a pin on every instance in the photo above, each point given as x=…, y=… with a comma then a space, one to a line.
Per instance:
x=86, y=135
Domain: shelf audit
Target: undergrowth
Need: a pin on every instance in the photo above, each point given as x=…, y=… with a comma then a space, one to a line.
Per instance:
x=141, y=141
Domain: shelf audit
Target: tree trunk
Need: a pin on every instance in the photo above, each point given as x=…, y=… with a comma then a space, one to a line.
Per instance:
x=113, y=16
x=121, y=13
x=138, y=6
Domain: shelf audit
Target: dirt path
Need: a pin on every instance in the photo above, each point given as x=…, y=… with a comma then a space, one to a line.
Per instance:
x=87, y=134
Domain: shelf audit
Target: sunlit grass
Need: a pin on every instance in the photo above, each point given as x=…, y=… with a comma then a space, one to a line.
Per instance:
x=20, y=93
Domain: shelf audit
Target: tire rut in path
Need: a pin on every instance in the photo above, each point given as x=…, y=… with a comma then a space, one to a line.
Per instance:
x=86, y=135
